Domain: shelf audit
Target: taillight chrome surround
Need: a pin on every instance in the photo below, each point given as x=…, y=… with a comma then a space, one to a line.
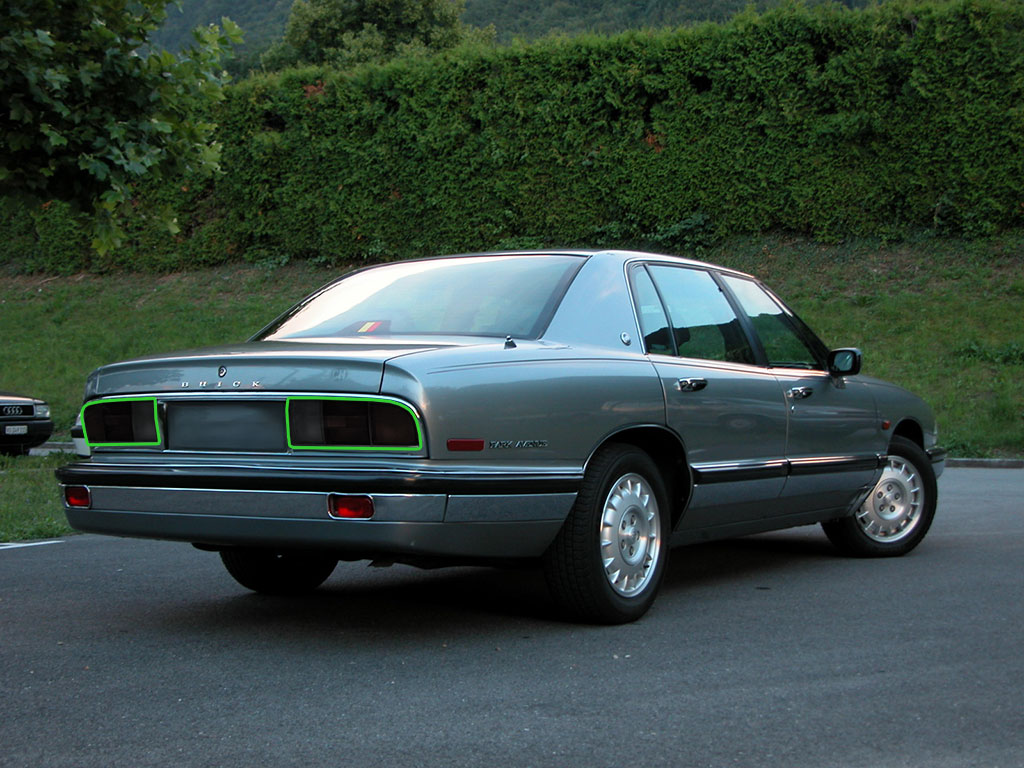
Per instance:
x=311, y=422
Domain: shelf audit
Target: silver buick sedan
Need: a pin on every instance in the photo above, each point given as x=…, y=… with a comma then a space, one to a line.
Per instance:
x=587, y=410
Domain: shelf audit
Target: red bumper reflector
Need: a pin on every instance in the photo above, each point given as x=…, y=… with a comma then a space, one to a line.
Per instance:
x=77, y=496
x=349, y=507
x=465, y=445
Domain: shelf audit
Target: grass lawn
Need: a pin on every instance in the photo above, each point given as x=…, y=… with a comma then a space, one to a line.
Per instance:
x=944, y=318
x=57, y=329
x=30, y=504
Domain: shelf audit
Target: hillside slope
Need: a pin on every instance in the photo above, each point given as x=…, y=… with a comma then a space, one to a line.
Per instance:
x=263, y=21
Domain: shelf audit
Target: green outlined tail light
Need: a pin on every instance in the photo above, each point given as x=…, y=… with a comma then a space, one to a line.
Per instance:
x=352, y=424
x=121, y=422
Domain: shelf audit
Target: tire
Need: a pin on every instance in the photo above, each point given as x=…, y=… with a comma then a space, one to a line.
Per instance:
x=278, y=573
x=608, y=560
x=898, y=512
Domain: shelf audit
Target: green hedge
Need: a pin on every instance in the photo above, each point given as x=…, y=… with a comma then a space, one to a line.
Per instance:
x=883, y=121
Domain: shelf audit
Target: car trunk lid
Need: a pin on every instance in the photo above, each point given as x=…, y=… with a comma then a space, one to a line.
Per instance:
x=256, y=366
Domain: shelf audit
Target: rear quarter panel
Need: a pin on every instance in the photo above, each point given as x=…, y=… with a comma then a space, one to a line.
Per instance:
x=532, y=404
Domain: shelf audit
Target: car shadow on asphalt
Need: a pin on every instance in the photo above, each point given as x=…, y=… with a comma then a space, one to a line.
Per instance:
x=414, y=602
x=734, y=560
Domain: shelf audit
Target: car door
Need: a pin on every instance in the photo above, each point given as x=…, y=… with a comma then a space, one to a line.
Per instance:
x=729, y=412
x=834, y=435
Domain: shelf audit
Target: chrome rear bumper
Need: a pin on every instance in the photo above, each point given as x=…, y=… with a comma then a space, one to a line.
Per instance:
x=434, y=524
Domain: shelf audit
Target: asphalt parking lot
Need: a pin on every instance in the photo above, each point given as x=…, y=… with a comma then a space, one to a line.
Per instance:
x=764, y=651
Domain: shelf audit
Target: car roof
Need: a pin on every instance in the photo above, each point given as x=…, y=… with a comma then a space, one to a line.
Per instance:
x=622, y=255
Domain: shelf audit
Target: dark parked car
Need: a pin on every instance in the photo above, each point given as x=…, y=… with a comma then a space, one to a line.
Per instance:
x=24, y=423
x=587, y=410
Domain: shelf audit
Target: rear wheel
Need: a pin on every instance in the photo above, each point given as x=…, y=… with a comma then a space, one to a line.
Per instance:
x=896, y=515
x=278, y=573
x=607, y=562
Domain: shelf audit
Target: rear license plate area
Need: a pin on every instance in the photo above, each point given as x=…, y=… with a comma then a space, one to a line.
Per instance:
x=238, y=427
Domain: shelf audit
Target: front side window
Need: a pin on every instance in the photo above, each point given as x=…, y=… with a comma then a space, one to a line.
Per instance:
x=469, y=296
x=703, y=324
x=783, y=345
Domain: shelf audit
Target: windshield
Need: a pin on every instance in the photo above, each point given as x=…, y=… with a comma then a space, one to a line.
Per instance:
x=466, y=296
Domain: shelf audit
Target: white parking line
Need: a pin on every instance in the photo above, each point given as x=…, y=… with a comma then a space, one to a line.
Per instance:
x=16, y=545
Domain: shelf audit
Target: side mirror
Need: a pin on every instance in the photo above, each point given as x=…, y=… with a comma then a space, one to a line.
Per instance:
x=844, y=362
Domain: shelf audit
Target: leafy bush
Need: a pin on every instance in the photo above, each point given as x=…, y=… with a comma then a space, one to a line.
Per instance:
x=882, y=122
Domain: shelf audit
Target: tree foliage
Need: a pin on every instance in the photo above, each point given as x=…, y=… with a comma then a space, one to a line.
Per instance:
x=342, y=33
x=88, y=110
x=262, y=22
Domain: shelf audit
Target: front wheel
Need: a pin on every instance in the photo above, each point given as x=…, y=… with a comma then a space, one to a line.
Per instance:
x=278, y=573
x=607, y=562
x=896, y=515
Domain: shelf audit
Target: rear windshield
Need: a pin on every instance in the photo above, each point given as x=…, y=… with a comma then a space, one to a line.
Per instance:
x=468, y=296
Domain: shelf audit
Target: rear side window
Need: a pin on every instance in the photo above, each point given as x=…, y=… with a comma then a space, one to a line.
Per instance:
x=701, y=321
x=469, y=296
x=653, y=321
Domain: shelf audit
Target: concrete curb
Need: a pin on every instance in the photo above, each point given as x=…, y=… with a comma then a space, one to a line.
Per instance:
x=52, y=447
x=986, y=463
x=952, y=463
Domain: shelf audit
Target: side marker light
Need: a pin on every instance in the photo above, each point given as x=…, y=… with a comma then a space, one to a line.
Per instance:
x=465, y=445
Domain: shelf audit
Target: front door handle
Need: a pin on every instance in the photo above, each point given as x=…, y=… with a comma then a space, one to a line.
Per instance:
x=691, y=385
x=800, y=393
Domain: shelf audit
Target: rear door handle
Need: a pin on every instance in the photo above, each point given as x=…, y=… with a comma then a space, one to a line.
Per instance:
x=691, y=385
x=800, y=393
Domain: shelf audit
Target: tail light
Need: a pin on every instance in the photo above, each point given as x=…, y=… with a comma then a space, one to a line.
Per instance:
x=353, y=424
x=127, y=421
